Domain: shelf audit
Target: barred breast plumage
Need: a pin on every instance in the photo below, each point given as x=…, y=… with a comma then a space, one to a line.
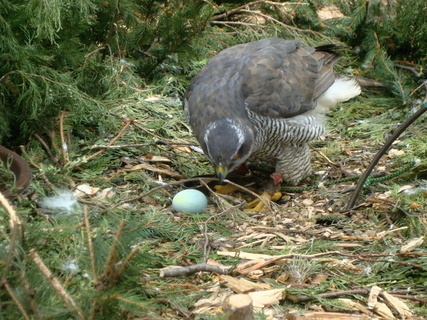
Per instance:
x=264, y=101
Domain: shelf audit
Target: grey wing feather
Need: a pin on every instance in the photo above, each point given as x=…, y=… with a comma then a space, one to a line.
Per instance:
x=284, y=79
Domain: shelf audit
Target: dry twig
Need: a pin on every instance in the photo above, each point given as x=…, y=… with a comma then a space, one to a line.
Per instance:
x=64, y=147
x=184, y=271
x=247, y=5
x=306, y=298
x=112, y=141
x=90, y=244
x=256, y=264
x=16, y=230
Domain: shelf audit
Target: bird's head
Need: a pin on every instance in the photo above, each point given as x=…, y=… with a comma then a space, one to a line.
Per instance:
x=227, y=144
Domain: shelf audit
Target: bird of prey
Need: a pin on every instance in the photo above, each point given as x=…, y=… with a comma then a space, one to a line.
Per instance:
x=263, y=101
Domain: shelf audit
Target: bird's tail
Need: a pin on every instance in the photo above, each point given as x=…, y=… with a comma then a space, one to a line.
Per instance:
x=365, y=82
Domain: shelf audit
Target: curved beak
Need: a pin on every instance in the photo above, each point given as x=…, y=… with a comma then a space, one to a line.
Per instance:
x=221, y=172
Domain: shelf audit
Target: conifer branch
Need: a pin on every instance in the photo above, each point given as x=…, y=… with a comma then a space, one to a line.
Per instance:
x=126, y=261
x=30, y=293
x=235, y=23
x=41, y=171
x=90, y=244
x=16, y=301
x=111, y=142
x=56, y=284
x=110, y=275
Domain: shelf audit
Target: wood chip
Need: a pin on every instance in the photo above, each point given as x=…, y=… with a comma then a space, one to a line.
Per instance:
x=411, y=245
x=215, y=301
x=373, y=296
x=382, y=234
x=379, y=307
x=242, y=285
x=355, y=305
x=184, y=149
x=265, y=298
x=152, y=158
x=395, y=152
x=382, y=310
x=397, y=304
x=106, y=193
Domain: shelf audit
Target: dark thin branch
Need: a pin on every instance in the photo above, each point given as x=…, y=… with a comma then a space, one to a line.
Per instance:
x=46, y=147
x=381, y=152
x=413, y=298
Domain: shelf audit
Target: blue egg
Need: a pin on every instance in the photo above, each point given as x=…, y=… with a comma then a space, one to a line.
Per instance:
x=189, y=201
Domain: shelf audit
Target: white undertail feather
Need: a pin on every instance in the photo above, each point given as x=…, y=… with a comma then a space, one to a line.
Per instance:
x=342, y=90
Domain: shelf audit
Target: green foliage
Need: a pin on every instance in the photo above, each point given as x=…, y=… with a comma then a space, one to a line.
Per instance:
x=379, y=32
x=8, y=177
x=41, y=70
x=101, y=62
x=397, y=27
x=76, y=56
x=121, y=251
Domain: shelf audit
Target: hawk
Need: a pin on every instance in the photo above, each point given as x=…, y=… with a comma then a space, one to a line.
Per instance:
x=264, y=101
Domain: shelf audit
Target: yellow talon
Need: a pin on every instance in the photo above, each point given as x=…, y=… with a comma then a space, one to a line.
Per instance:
x=226, y=189
x=276, y=196
x=259, y=205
